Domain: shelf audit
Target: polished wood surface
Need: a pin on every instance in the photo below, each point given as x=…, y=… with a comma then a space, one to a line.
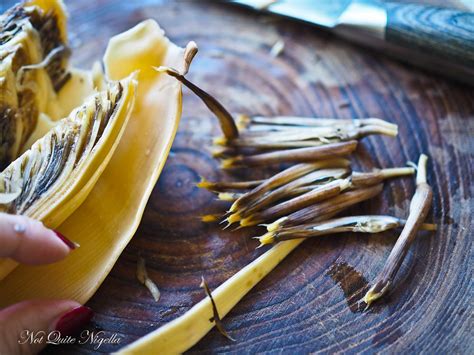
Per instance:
x=446, y=33
x=309, y=303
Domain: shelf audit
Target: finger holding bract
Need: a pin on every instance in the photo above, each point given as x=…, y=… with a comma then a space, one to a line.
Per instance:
x=115, y=205
x=135, y=204
x=57, y=173
x=30, y=242
x=60, y=159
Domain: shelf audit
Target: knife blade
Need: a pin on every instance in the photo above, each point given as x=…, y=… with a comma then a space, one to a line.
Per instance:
x=437, y=39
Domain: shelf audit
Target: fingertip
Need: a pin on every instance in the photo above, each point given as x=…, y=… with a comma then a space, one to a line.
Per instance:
x=70, y=244
x=41, y=245
x=74, y=320
x=28, y=241
x=53, y=247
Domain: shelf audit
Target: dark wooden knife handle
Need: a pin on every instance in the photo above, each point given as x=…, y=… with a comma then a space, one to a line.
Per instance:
x=439, y=32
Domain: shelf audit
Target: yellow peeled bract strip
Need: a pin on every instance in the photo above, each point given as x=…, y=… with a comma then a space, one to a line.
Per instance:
x=105, y=222
x=182, y=333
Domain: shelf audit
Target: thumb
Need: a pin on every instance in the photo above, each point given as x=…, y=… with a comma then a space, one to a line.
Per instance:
x=24, y=327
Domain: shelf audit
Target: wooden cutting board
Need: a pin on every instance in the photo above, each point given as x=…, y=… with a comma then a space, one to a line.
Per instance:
x=309, y=302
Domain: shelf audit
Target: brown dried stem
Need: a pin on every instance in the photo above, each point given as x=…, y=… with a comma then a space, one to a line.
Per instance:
x=216, y=318
x=419, y=208
x=331, y=206
x=319, y=194
x=302, y=137
x=361, y=224
x=318, y=178
x=227, y=123
x=310, y=197
x=292, y=155
x=224, y=186
x=245, y=121
x=284, y=177
x=377, y=176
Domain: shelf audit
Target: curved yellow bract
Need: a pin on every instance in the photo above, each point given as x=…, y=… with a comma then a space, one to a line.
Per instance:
x=109, y=216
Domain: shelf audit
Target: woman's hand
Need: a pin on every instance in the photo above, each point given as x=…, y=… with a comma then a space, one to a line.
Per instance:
x=29, y=242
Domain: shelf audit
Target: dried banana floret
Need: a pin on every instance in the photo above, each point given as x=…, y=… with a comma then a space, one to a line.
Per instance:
x=33, y=68
x=46, y=169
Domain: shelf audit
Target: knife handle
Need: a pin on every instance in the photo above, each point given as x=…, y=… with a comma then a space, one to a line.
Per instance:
x=439, y=32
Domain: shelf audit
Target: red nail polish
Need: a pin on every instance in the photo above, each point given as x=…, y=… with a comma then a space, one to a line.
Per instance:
x=74, y=320
x=66, y=241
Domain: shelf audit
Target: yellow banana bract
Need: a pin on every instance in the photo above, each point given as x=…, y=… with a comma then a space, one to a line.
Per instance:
x=56, y=173
x=101, y=206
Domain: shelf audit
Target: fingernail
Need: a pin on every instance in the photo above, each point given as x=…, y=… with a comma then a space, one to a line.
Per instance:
x=72, y=245
x=74, y=320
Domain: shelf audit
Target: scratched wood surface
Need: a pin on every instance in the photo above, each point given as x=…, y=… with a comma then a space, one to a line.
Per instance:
x=309, y=302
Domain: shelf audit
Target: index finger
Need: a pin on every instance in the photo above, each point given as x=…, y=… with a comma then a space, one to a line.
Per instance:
x=30, y=242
